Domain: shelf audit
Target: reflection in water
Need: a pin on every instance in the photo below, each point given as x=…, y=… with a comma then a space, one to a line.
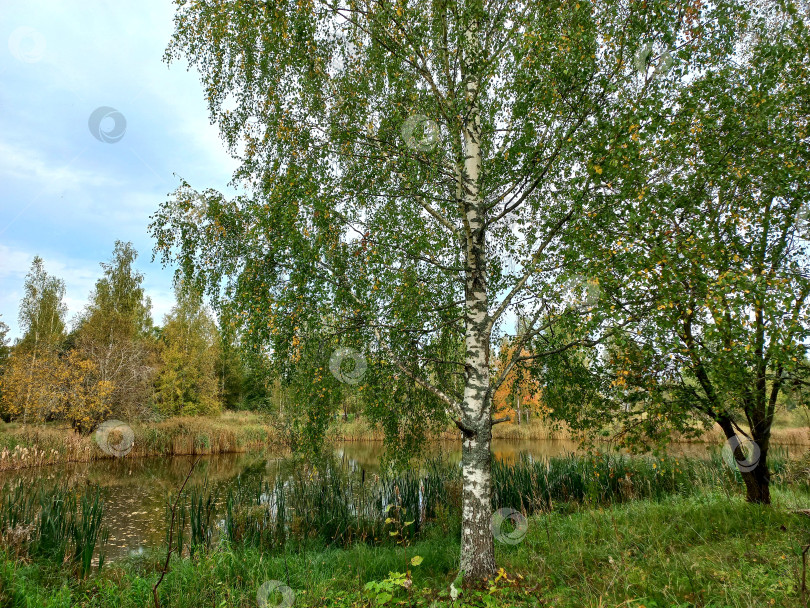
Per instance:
x=135, y=490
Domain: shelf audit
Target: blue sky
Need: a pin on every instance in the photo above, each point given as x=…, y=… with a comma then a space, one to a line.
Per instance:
x=65, y=195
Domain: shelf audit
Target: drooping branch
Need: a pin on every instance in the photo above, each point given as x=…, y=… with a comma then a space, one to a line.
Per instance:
x=453, y=407
x=518, y=287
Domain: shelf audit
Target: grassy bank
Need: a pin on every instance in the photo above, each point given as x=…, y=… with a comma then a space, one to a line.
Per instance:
x=35, y=445
x=23, y=446
x=789, y=430
x=601, y=531
x=707, y=550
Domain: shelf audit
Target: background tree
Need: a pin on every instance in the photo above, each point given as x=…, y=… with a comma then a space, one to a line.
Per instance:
x=411, y=170
x=30, y=386
x=519, y=394
x=709, y=243
x=42, y=320
x=260, y=382
x=5, y=345
x=82, y=397
x=187, y=383
x=246, y=377
x=5, y=353
x=230, y=371
x=42, y=309
x=118, y=306
x=115, y=333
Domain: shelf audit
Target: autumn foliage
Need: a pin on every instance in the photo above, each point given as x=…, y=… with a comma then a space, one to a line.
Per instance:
x=43, y=386
x=519, y=394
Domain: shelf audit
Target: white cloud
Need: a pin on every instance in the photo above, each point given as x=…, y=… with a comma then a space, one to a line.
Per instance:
x=19, y=162
x=13, y=263
x=68, y=197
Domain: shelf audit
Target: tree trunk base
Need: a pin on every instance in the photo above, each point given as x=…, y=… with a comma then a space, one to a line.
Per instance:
x=757, y=485
x=477, y=542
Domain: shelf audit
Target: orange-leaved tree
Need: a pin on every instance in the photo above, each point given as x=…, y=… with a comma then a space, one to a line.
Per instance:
x=519, y=394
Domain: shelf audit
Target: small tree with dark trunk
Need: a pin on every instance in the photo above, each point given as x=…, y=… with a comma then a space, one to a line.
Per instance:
x=709, y=249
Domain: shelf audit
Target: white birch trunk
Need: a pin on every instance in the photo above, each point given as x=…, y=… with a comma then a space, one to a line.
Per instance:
x=477, y=548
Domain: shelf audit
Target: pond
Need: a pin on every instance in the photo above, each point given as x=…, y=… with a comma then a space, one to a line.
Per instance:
x=135, y=489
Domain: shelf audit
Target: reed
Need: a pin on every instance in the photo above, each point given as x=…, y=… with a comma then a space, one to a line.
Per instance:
x=55, y=525
x=202, y=509
x=337, y=504
x=604, y=479
x=176, y=525
x=88, y=532
x=47, y=444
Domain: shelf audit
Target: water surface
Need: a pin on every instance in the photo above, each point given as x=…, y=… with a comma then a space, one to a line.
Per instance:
x=135, y=490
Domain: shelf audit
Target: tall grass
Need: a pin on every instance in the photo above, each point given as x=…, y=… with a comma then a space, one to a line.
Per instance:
x=54, y=522
x=56, y=525
x=604, y=479
x=87, y=532
x=47, y=444
x=202, y=510
x=333, y=503
x=336, y=504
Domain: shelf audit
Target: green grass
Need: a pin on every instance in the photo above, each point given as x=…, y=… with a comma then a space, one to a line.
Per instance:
x=702, y=550
x=604, y=531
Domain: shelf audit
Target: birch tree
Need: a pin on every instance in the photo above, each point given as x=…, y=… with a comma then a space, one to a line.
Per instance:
x=408, y=172
x=42, y=319
x=42, y=309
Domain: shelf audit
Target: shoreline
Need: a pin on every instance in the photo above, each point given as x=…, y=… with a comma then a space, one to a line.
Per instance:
x=535, y=430
x=23, y=447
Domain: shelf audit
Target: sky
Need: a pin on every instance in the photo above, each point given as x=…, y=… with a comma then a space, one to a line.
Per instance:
x=68, y=188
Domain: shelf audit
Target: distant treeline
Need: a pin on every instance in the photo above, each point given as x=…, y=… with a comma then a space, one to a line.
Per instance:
x=114, y=362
